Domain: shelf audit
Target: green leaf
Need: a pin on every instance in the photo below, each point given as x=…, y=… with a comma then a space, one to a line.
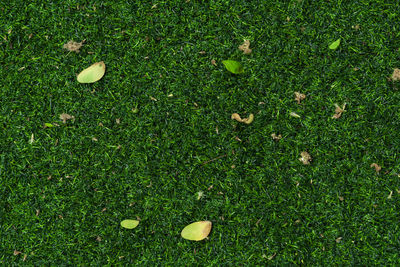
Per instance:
x=49, y=125
x=335, y=44
x=233, y=66
x=129, y=224
x=92, y=74
x=197, y=231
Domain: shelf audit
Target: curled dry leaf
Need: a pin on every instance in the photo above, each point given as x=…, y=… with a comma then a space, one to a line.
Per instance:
x=276, y=137
x=396, y=75
x=376, y=166
x=64, y=117
x=213, y=62
x=245, y=47
x=73, y=46
x=305, y=158
x=237, y=117
x=299, y=96
x=339, y=111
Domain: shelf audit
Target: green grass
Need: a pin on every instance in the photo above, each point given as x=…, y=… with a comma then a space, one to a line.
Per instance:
x=265, y=205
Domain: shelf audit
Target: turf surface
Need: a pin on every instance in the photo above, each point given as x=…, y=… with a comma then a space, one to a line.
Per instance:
x=64, y=192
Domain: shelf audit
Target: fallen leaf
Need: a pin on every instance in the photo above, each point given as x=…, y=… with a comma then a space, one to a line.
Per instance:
x=356, y=27
x=338, y=239
x=93, y=73
x=233, y=66
x=73, y=46
x=339, y=111
x=32, y=139
x=396, y=75
x=335, y=44
x=64, y=117
x=200, y=194
x=245, y=47
x=376, y=166
x=276, y=137
x=299, y=96
x=197, y=231
x=16, y=252
x=129, y=224
x=305, y=158
x=293, y=114
x=390, y=195
x=213, y=62
x=237, y=117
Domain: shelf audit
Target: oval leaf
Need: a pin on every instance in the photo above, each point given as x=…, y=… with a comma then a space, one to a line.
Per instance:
x=93, y=73
x=129, y=224
x=197, y=231
x=233, y=66
x=335, y=44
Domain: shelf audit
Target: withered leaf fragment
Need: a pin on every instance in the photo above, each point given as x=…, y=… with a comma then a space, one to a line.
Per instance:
x=339, y=111
x=299, y=96
x=396, y=75
x=305, y=158
x=376, y=166
x=73, y=46
x=64, y=117
x=245, y=47
x=237, y=117
x=276, y=137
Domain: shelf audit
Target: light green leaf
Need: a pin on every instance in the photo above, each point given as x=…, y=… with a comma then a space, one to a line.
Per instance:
x=129, y=224
x=335, y=44
x=197, y=231
x=92, y=74
x=48, y=125
x=233, y=66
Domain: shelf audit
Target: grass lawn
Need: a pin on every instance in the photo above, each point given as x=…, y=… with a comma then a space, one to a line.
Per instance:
x=154, y=141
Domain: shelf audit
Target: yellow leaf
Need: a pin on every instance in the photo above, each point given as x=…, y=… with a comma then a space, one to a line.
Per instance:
x=197, y=231
x=93, y=73
x=129, y=224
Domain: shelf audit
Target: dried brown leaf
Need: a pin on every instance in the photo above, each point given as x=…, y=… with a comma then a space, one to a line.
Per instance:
x=305, y=158
x=64, y=117
x=339, y=111
x=299, y=96
x=376, y=166
x=73, y=46
x=213, y=62
x=396, y=75
x=245, y=47
x=276, y=137
x=237, y=117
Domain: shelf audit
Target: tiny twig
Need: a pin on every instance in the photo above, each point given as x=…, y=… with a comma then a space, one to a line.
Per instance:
x=214, y=159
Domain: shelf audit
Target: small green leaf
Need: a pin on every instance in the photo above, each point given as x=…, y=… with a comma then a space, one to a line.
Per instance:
x=49, y=125
x=93, y=73
x=335, y=44
x=233, y=66
x=129, y=224
x=196, y=231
